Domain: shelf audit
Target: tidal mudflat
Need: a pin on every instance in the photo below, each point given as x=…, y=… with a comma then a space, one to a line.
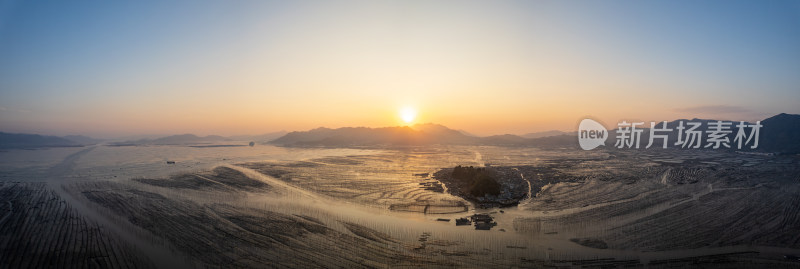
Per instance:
x=264, y=206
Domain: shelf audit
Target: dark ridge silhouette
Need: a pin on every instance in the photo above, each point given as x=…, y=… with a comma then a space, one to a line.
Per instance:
x=184, y=139
x=21, y=141
x=82, y=139
x=362, y=136
x=428, y=134
x=260, y=139
x=544, y=134
x=779, y=134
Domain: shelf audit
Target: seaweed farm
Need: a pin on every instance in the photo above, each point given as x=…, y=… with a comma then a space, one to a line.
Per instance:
x=265, y=206
x=40, y=230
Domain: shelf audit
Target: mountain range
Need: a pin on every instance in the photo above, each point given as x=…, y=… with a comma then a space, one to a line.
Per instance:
x=22, y=141
x=31, y=141
x=420, y=134
x=779, y=134
x=544, y=134
x=190, y=139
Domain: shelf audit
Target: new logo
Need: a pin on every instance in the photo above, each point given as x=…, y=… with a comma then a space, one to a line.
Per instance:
x=591, y=134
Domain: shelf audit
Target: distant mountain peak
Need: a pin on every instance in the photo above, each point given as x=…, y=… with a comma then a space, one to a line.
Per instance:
x=432, y=128
x=416, y=135
x=22, y=141
x=543, y=134
x=420, y=134
x=428, y=125
x=783, y=116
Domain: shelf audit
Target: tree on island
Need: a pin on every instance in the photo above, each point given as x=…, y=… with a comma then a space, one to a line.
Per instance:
x=479, y=180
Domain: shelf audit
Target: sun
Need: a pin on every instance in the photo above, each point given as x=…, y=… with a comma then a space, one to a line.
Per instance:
x=408, y=114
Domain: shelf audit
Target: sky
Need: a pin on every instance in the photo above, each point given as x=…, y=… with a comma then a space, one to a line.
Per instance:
x=114, y=68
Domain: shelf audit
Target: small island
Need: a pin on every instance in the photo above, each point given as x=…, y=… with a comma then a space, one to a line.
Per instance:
x=485, y=186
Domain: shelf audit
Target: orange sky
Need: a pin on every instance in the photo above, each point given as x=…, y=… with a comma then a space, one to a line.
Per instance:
x=485, y=67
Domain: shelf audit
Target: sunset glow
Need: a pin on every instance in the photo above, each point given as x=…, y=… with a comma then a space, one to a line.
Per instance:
x=408, y=114
x=484, y=67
